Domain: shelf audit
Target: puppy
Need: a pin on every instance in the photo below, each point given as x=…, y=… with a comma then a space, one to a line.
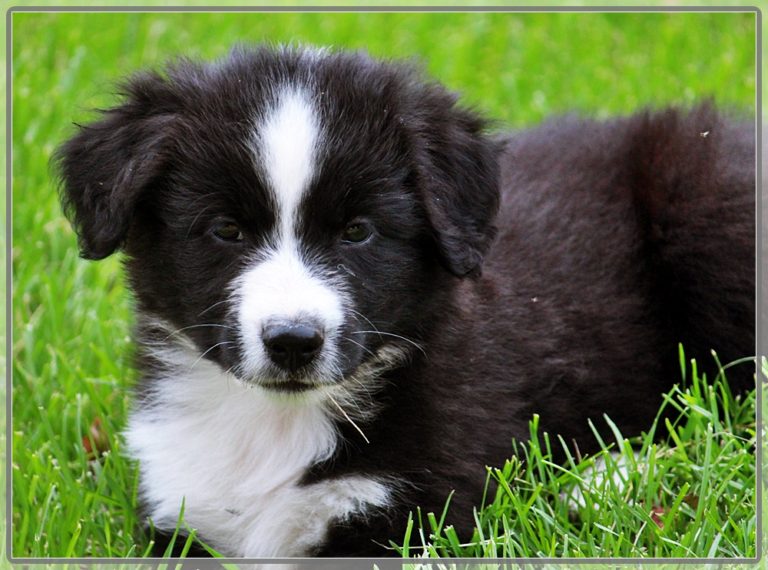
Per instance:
x=350, y=298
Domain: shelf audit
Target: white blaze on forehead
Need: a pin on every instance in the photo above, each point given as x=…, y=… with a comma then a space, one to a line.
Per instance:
x=281, y=285
x=287, y=137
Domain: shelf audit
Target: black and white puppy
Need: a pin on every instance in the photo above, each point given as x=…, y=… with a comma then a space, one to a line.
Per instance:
x=350, y=298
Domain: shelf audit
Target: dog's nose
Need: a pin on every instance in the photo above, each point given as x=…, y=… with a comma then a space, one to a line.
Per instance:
x=292, y=345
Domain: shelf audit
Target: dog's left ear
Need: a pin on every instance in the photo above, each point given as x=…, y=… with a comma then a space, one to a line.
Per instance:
x=458, y=171
x=107, y=166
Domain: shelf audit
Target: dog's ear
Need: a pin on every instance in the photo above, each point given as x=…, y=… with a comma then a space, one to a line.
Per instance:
x=107, y=165
x=458, y=171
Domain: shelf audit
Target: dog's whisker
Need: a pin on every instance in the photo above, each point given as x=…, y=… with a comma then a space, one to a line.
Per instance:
x=359, y=383
x=355, y=394
x=336, y=369
x=199, y=358
x=228, y=375
x=350, y=420
x=352, y=399
x=409, y=341
x=365, y=318
x=194, y=221
x=366, y=349
x=178, y=331
x=211, y=307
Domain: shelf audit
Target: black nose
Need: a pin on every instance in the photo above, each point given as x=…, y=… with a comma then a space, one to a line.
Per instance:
x=292, y=345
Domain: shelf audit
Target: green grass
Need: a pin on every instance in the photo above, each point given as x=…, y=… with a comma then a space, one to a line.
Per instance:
x=72, y=321
x=692, y=494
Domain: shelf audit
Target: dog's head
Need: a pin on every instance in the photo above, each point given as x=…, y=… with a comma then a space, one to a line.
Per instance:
x=290, y=211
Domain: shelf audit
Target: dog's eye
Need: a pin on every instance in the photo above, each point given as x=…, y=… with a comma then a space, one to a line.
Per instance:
x=357, y=232
x=227, y=231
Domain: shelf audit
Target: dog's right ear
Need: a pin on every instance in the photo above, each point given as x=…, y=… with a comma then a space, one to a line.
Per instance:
x=458, y=170
x=107, y=166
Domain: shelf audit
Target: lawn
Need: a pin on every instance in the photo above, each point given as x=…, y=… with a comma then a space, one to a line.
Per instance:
x=691, y=495
x=71, y=349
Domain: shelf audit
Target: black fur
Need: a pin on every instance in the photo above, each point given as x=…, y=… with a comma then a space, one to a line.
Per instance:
x=550, y=271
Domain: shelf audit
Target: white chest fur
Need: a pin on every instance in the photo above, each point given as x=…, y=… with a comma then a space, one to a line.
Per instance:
x=235, y=456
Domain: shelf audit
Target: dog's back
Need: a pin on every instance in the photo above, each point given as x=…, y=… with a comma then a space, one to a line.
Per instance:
x=619, y=240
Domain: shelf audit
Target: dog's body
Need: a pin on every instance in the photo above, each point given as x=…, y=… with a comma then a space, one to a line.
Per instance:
x=332, y=330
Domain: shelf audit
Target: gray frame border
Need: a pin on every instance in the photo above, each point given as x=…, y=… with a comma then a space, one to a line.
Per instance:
x=387, y=564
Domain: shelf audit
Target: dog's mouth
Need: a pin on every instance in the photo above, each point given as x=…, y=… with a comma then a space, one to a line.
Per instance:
x=309, y=381
x=298, y=383
x=289, y=386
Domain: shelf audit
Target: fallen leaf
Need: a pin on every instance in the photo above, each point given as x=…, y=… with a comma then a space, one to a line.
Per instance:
x=691, y=500
x=656, y=513
x=96, y=443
